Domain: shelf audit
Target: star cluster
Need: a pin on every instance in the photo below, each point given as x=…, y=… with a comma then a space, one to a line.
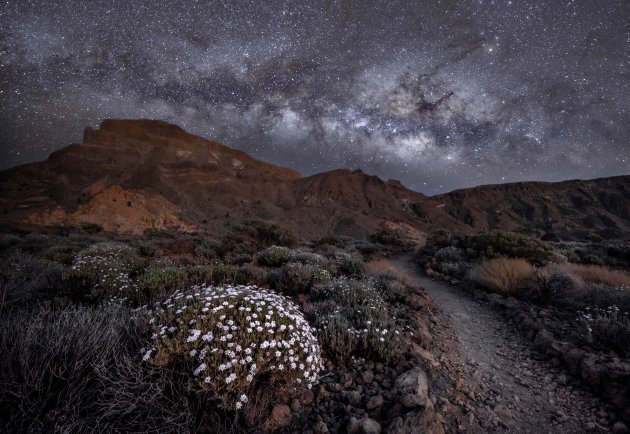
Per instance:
x=440, y=94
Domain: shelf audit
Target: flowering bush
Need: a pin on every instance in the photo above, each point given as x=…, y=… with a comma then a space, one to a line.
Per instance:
x=449, y=254
x=104, y=269
x=349, y=264
x=274, y=256
x=233, y=337
x=361, y=322
x=293, y=279
x=314, y=259
x=608, y=329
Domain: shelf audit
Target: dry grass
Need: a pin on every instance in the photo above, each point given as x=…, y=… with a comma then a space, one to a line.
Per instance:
x=504, y=275
x=385, y=267
x=596, y=274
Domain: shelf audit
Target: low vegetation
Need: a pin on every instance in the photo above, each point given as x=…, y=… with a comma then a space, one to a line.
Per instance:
x=503, y=275
x=181, y=333
x=565, y=275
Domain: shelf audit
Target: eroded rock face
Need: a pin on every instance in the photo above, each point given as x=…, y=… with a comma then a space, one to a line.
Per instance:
x=204, y=185
x=117, y=210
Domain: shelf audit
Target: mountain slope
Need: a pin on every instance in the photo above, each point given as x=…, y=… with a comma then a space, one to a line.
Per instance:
x=133, y=175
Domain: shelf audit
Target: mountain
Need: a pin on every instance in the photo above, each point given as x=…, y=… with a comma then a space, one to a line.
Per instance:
x=132, y=175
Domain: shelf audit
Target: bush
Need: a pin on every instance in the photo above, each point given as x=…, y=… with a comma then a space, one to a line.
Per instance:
x=601, y=296
x=104, y=270
x=597, y=274
x=390, y=237
x=339, y=338
x=608, y=329
x=502, y=275
x=549, y=286
x=25, y=279
x=450, y=268
x=371, y=332
x=207, y=252
x=232, y=338
x=448, y=254
x=274, y=256
x=390, y=287
x=253, y=234
x=293, y=279
x=349, y=264
x=78, y=370
x=157, y=279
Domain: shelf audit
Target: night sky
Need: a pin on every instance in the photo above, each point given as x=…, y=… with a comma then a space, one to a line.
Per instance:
x=439, y=94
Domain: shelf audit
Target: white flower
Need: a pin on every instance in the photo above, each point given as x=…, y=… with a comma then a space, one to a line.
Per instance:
x=200, y=369
x=230, y=378
x=147, y=355
x=194, y=335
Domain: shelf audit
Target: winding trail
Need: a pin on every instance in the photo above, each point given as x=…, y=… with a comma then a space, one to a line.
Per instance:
x=514, y=388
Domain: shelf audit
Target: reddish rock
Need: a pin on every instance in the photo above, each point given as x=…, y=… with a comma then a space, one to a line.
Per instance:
x=280, y=418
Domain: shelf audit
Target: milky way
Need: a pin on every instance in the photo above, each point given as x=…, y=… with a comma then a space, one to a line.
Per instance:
x=439, y=94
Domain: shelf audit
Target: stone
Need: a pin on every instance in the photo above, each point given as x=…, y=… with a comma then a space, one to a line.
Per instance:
x=544, y=338
x=365, y=425
x=413, y=381
x=296, y=405
x=412, y=400
x=502, y=411
x=619, y=428
x=280, y=418
x=320, y=427
x=374, y=402
x=590, y=427
x=368, y=377
x=353, y=397
x=306, y=396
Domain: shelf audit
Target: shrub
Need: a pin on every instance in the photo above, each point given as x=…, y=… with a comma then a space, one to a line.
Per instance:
x=390, y=237
x=505, y=244
x=9, y=240
x=24, y=279
x=146, y=248
x=293, y=279
x=239, y=259
x=274, y=256
x=601, y=296
x=349, y=264
x=371, y=331
x=232, y=338
x=157, y=279
x=448, y=254
x=64, y=254
x=597, y=274
x=78, y=370
x=550, y=285
x=608, y=329
x=450, y=268
x=253, y=234
x=389, y=286
x=339, y=338
x=104, y=270
x=503, y=275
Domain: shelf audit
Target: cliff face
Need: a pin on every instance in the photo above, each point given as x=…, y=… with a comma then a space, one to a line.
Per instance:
x=133, y=175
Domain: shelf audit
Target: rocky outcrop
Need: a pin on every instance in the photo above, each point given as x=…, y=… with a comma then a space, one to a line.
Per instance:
x=199, y=184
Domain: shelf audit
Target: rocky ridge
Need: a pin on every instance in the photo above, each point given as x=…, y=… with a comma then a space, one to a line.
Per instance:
x=132, y=175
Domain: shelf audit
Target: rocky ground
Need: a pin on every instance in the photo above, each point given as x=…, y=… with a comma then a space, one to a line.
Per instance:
x=504, y=384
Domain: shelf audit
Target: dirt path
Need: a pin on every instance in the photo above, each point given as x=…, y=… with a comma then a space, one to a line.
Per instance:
x=513, y=387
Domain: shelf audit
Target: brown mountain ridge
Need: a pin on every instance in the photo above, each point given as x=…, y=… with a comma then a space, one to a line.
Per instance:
x=132, y=175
